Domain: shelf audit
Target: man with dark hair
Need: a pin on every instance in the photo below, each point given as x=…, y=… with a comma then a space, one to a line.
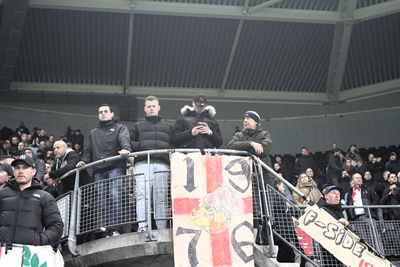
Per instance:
x=196, y=127
x=304, y=162
x=353, y=153
x=393, y=165
x=107, y=140
x=39, y=163
x=152, y=133
x=28, y=214
x=6, y=172
x=334, y=169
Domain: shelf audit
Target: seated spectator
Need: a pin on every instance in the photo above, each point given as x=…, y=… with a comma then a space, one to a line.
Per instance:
x=353, y=154
x=281, y=187
x=358, y=195
x=391, y=197
x=66, y=160
x=6, y=172
x=393, y=165
x=304, y=162
x=319, y=179
x=308, y=187
x=360, y=167
x=39, y=164
x=6, y=145
x=376, y=167
x=370, y=184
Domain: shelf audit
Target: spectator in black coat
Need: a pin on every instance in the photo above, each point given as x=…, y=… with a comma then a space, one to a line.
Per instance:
x=393, y=165
x=390, y=193
x=197, y=128
x=28, y=214
x=358, y=195
x=334, y=169
x=304, y=162
x=66, y=160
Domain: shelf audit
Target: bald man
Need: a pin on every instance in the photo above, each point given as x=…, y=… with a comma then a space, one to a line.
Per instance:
x=66, y=160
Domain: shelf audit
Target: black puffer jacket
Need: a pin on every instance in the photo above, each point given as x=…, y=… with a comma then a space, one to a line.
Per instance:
x=182, y=131
x=105, y=141
x=153, y=133
x=29, y=217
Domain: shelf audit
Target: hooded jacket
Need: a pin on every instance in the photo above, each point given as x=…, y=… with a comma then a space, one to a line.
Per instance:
x=29, y=217
x=182, y=132
x=105, y=141
x=39, y=164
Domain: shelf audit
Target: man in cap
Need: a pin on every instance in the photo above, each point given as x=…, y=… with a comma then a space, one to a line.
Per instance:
x=28, y=214
x=197, y=128
x=331, y=203
x=5, y=173
x=253, y=140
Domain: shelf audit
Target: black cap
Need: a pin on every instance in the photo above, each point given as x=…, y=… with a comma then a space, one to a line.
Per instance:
x=200, y=100
x=26, y=159
x=393, y=154
x=7, y=168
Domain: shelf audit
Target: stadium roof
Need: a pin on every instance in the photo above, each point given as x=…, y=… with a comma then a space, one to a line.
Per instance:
x=310, y=51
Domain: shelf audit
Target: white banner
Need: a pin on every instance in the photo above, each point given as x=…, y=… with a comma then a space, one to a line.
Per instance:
x=212, y=210
x=35, y=256
x=338, y=240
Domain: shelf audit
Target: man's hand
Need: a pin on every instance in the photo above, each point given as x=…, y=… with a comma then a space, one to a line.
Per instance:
x=201, y=129
x=257, y=147
x=343, y=221
x=80, y=164
x=46, y=176
x=123, y=152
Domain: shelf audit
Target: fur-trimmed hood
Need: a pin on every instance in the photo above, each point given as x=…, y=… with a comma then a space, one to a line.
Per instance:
x=188, y=110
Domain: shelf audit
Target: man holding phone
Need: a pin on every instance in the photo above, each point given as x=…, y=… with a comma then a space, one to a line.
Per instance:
x=197, y=128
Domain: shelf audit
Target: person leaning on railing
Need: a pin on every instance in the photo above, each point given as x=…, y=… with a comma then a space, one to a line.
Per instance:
x=107, y=140
x=152, y=133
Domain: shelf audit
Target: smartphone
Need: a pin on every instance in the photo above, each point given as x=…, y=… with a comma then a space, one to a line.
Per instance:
x=201, y=124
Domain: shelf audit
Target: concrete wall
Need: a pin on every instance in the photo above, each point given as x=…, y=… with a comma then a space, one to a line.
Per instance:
x=316, y=127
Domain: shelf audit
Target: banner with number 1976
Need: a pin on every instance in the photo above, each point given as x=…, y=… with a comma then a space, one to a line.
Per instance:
x=212, y=210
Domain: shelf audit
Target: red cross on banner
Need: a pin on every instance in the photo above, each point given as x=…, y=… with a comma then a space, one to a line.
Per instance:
x=212, y=210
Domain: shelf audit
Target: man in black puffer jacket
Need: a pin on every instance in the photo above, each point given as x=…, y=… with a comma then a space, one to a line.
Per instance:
x=197, y=128
x=152, y=133
x=28, y=215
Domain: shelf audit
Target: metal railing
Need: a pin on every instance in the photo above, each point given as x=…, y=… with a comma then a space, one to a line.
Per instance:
x=89, y=208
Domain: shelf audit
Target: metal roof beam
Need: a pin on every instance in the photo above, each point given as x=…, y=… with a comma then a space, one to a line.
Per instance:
x=231, y=95
x=340, y=47
x=378, y=10
x=264, y=5
x=370, y=91
x=192, y=10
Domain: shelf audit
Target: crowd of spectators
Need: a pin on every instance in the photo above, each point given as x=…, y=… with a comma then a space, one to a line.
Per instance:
x=366, y=177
